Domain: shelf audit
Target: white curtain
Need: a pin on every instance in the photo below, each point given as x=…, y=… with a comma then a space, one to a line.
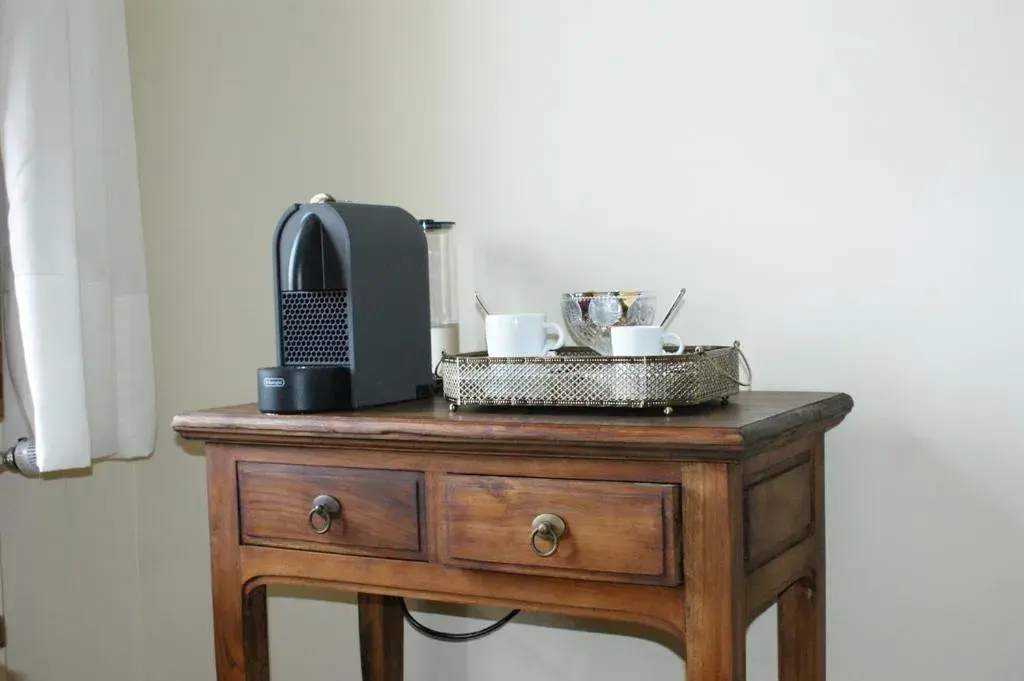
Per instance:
x=77, y=330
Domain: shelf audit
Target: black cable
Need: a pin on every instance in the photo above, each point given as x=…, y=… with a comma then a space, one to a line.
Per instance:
x=454, y=638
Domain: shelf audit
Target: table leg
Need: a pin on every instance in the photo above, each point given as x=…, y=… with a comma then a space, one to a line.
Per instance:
x=716, y=617
x=802, y=606
x=802, y=633
x=240, y=634
x=381, y=637
x=239, y=618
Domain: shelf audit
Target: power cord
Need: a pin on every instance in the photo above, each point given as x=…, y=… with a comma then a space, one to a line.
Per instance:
x=454, y=638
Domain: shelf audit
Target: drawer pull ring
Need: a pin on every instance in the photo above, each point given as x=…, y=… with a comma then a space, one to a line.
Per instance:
x=548, y=527
x=325, y=509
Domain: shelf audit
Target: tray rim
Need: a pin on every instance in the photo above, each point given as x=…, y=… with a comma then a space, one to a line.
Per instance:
x=579, y=354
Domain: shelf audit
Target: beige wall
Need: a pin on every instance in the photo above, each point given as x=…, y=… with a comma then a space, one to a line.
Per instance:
x=838, y=185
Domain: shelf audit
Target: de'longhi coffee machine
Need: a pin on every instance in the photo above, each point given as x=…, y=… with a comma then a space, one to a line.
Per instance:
x=352, y=309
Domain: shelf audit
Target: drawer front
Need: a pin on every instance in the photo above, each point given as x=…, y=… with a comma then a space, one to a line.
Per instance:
x=381, y=511
x=614, y=531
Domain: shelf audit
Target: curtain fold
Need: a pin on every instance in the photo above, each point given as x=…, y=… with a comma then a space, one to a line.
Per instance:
x=78, y=337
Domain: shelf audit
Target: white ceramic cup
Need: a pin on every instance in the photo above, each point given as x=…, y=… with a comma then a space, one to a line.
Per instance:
x=521, y=335
x=635, y=341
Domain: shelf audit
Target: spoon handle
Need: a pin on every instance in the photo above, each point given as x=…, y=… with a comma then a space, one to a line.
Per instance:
x=673, y=308
x=480, y=303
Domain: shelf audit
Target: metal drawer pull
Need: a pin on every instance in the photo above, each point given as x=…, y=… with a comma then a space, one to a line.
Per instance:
x=548, y=527
x=325, y=508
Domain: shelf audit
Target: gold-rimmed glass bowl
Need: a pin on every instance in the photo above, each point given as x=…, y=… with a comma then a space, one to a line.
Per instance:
x=590, y=315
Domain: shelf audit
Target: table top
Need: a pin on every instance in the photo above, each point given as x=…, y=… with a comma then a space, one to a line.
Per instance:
x=714, y=431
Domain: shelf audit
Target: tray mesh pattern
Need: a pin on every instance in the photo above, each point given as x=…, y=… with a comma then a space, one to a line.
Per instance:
x=579, y=377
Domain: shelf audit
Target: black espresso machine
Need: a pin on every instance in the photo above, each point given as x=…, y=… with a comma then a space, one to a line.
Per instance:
x=352, y=309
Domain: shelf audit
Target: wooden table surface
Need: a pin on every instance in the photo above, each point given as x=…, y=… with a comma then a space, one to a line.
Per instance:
x=692, y=523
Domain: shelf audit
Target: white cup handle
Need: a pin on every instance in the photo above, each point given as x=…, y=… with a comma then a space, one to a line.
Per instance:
x=672, y=338
x=553, y=330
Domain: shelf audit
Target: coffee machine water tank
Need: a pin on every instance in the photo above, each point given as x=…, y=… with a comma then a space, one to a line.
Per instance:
x=444, y=317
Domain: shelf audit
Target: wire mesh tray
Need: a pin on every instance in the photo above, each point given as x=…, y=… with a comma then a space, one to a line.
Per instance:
x=579, y=377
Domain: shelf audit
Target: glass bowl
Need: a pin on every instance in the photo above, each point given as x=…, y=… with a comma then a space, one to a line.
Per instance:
x=589, y=315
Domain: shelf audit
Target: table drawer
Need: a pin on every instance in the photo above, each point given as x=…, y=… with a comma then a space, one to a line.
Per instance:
x=614, y=531
x=381, y=511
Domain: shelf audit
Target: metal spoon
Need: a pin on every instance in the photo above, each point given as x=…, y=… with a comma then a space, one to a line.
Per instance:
x=480, y=303
x=673, y=308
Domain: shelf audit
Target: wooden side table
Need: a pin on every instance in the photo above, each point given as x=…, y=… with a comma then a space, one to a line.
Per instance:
x=693, y=523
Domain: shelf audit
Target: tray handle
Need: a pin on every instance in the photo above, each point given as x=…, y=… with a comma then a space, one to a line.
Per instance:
x=734, y=379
